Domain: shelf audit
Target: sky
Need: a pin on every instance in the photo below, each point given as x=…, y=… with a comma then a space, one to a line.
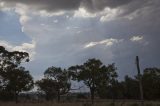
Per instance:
x=63, y=33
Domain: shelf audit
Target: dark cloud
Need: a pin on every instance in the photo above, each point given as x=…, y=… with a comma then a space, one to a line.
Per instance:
x=49, y=5
x=98, y=5
x=90, y=5
x=125, y=7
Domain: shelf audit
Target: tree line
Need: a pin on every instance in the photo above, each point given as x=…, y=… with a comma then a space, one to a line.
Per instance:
x=101, y=79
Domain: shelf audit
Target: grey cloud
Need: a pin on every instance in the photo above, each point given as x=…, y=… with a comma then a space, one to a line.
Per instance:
x=49, y=5
x=98, y=5
x=71, y=4
x=90, y=5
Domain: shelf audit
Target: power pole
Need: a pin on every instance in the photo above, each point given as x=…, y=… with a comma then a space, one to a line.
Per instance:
x=140, y=80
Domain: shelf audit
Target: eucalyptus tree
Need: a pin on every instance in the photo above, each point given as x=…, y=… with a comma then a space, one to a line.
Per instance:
x=47, y=86
x=58, y=81
x=94, y=74
x=151, y=83
x=18, y=80
x=13, y=77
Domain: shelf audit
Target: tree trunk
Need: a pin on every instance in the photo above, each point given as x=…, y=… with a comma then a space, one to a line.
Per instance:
x=16, y=97
x=58, y=94
x=92, y=95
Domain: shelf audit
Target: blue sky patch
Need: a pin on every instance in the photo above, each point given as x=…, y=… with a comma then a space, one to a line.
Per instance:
x=10, y=28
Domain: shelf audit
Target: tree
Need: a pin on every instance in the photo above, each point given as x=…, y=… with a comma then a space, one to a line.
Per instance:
x=18, y=80
x=151, y=83
x=113, y=91
x=47, y=86
x=106, y=80
x=11, y=72
x=59, y=81
x=131, y=88
x=94, y=75
x=11, y=59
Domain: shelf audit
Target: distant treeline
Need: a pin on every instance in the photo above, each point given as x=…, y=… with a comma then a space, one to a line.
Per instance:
x=99, y=78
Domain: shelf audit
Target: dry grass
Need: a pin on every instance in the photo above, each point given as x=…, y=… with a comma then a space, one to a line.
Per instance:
x=81, y=104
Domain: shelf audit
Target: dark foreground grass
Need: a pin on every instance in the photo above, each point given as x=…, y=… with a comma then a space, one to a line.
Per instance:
x=122, y=103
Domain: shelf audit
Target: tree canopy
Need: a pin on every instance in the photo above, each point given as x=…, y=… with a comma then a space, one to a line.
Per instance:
x=13, y=77
x=58, y=82
x=94, y=74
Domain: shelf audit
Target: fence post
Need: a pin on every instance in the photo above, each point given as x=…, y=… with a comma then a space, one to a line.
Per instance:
x=140, y=81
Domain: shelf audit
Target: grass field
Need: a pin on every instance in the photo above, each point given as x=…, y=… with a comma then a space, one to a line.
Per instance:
x=118, y=103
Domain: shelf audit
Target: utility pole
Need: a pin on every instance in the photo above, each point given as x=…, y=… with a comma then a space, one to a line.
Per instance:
x=140, y=80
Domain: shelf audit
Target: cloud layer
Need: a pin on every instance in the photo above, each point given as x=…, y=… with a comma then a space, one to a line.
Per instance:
x=106, y=10
x=58, y=5
x=92, y=6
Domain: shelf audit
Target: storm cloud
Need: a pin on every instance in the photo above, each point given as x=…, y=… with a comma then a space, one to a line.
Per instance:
x=89, y=5
x=70, y=4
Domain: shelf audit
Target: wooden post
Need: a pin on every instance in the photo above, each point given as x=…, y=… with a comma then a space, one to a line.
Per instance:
x=140, y=80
